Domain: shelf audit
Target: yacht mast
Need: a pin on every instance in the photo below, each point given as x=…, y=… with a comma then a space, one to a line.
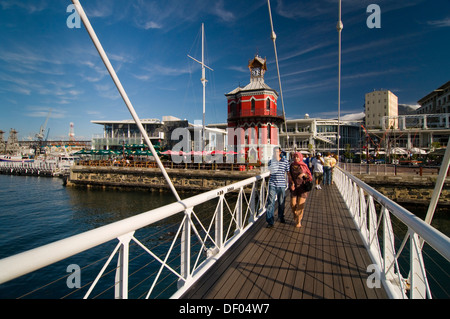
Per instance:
x=203, y=80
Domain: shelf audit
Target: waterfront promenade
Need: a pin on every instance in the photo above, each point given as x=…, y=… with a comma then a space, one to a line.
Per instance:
x=325, y=258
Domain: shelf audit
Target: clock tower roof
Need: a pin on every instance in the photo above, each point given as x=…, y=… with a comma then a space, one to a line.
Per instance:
x=257, y=67
x=258, y=62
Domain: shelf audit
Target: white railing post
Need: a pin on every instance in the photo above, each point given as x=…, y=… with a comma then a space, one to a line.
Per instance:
x=262, y=195
x=185, y=247
x=219, y=223
x=252, y=204
x=239, y=212
x=418, y=280
x=121, y=286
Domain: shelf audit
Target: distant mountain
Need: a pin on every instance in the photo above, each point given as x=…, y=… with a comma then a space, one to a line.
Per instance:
x=406, y=109
x=403, y=109
x=353, y=117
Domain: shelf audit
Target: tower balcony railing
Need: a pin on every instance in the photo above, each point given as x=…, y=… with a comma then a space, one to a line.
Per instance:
x=273, y=112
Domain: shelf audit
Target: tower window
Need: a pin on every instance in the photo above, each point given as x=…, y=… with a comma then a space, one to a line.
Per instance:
x=233, y=109
x=253, y=106
x=268, y=105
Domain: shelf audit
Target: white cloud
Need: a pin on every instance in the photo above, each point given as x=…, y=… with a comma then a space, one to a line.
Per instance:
x=151, y=25
x=43, y=112
x=220, y=11
x=440, y=23
x=30, y=7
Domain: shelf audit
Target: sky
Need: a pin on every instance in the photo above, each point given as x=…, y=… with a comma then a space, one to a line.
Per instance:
x=48, y=69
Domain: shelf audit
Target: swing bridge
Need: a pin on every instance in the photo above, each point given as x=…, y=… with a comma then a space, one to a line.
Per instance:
x=350, y=246
x=354, y=243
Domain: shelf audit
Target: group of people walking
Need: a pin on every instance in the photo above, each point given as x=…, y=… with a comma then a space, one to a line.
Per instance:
x=295, y=176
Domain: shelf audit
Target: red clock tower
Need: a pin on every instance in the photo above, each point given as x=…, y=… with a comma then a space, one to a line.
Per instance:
x=252, y=111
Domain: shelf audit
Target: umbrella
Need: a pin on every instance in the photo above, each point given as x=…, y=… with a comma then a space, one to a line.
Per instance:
x=146, y=152
x=82, y=152
x=439, y=151
x=170, y=152
x=218, y=152
x=106, y=152
x=377, y=152
x=398, y=150
x=197, y=153
x=416, y=150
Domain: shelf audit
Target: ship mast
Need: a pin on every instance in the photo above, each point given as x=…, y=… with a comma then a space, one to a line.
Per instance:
x=203, y=80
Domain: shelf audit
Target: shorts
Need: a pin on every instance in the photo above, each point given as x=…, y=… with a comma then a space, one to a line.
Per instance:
x=298, y=192
x=318, y=176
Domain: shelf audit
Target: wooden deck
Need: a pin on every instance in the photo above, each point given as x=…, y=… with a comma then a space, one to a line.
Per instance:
x=323, y=259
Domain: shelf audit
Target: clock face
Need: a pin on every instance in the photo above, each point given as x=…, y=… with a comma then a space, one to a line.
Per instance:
x=256, y=71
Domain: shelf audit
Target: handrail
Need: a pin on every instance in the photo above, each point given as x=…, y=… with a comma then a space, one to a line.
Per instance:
x=26, y=262
x=360, y=199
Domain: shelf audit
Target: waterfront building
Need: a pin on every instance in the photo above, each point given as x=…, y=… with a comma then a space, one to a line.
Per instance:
x=428, y=128
x=417, y=130
x=253, y=116
x=437, y=101
x=320, y=135
x=379, y=104
x=116, y=134
x=163, y=132
x=317, y=135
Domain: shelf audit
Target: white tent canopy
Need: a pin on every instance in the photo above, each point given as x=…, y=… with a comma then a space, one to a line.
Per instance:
x=398, y=150
x=416, y=150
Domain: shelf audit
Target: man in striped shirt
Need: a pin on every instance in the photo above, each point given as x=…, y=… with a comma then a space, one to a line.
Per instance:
x=278, y=166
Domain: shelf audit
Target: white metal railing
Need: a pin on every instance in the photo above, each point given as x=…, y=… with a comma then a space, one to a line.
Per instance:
x=242, y=202
x=371, y=212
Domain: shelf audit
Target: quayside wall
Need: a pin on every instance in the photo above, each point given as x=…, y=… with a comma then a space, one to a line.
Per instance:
x=411, y=189
x=152, y=178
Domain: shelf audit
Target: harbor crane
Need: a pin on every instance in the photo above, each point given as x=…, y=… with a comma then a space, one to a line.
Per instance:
x=40, y=135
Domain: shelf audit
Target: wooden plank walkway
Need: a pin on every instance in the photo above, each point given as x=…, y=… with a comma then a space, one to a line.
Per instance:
x=325, y=258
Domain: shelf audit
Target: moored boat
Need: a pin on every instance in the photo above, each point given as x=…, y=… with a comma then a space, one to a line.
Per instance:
x=16, y=159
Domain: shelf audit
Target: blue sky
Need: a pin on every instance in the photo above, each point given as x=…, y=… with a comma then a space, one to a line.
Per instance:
x=46, y=65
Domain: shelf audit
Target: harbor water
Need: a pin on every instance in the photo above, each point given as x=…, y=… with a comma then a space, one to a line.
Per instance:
x=35, y=211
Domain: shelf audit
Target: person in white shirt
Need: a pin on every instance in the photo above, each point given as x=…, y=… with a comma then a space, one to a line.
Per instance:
x=317, y=163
